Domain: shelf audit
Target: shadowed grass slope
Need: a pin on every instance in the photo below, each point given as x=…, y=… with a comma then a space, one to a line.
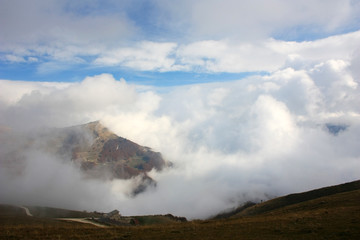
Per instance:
x=328, y=213
x=297, y=198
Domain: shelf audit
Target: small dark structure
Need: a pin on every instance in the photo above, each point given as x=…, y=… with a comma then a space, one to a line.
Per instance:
x=113, y=215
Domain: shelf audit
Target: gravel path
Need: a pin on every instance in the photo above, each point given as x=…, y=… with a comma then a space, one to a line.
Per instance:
x=26, y=211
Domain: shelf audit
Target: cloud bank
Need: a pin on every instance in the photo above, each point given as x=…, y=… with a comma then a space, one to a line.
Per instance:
x=202, y=36
x=207, y=56
x=294, y=129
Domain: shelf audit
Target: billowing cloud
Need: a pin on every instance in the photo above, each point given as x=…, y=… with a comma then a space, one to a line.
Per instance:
x=84, y=101
x=230, y=142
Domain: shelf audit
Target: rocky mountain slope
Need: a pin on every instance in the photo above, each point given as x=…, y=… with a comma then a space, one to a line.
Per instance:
x=98, y=151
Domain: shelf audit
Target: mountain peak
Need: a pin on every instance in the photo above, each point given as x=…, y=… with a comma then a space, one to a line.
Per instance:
x=94, y=147
x=99, y=130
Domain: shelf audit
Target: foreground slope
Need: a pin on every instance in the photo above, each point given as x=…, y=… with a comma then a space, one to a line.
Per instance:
x=335, y=215
x=251, y=209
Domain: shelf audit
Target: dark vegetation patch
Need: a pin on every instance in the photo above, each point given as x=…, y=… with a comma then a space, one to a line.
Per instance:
x=232, y=212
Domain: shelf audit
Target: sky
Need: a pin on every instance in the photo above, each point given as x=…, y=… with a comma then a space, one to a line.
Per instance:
x=163, y=42
x=249, y=100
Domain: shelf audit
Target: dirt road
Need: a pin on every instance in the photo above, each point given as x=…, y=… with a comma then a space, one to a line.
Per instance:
x=26, y=211
x=81, y=220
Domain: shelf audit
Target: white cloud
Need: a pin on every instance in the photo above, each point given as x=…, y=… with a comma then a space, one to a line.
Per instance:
x=59, y=23
x=230, y=56
x=32, y=59
x=13, y=91
x=47, y=104
x=268, y=55
x=14, y=58
x=59, y=31
x=146, y=56
x=46, y=181
x=223, y=56
x=211, y=36
x=259, y=19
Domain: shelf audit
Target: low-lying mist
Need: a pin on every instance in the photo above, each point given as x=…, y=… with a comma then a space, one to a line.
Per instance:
x=231, y=142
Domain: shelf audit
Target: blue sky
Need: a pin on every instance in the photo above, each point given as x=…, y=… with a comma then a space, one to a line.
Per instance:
x=160, y=42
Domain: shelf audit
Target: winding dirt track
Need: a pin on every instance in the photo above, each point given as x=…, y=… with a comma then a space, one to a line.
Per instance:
x=80, y=220
x=26, y=211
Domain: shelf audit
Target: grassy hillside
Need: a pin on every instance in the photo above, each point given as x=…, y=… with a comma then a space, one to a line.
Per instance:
x=329, y=215
x=297, y=198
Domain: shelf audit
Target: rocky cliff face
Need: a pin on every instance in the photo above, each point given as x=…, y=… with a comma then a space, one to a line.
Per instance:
x=98, y=151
